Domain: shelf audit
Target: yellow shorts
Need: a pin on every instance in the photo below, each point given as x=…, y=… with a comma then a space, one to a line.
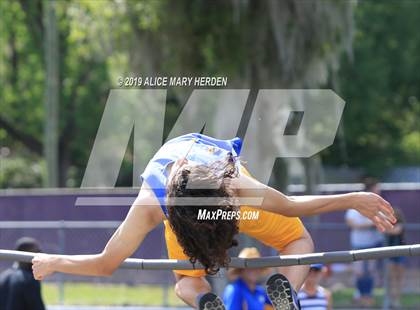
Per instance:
x=273, y=230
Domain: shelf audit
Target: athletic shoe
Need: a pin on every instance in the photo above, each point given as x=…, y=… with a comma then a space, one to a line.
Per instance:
x=281, y=293
x=210, y=301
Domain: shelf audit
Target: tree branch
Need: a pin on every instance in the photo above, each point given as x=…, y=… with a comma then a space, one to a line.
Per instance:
x=29, y=141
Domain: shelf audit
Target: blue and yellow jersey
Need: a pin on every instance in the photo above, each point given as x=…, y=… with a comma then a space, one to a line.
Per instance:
x=274, y=230
x=195, y=147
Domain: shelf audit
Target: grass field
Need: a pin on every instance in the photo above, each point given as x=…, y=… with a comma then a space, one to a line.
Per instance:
x=109, y=294
x=147, y=295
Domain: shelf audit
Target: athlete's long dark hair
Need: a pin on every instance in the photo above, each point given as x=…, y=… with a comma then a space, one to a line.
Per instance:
x=205, y=241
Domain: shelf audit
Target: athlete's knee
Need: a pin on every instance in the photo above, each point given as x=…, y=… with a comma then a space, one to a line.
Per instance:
x=178, y=289
x=185, y=285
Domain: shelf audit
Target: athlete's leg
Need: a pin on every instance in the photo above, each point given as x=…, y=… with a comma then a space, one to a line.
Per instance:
x=297, y=274
x=285, y=234
x=282, y=287
x=188, y=288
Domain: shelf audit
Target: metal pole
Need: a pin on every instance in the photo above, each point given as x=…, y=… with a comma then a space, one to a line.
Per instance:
x=51, y=93
x=62, y=247
x=166, y=284
x=269, y=261
x=386, y=305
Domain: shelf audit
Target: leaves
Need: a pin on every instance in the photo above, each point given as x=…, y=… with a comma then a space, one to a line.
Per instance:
x=381, y=89
x=245, y=41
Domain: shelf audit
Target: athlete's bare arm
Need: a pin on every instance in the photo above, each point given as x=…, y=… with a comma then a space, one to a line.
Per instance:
x=369, y=204
x=144, y=215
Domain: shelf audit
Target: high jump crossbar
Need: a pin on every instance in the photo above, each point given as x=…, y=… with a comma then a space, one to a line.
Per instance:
x=262, y=262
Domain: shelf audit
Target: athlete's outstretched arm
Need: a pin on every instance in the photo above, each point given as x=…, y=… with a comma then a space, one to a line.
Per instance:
x=369, y=204
x=144, y=215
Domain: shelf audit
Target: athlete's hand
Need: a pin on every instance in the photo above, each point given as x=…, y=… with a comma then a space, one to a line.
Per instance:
x=377, y=209
x=42, y=265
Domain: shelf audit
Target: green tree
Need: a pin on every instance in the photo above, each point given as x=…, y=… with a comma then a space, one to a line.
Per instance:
x=380, y=84
x=255, y=44
x=83, y=84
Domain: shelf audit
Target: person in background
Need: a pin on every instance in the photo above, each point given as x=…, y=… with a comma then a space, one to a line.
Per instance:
x=372, y=185
x=244, y=293
x=394, y=237
x=363, y=235
x=312, y=296
x=18, y=288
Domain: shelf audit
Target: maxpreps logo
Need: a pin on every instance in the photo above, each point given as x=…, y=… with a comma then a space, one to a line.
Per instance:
x=140, y=113
x=225, y=215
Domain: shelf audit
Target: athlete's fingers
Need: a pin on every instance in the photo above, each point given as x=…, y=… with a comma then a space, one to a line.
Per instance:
x=386, y=222
x=388, y=211
x=390, y=217
x=378, y=223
